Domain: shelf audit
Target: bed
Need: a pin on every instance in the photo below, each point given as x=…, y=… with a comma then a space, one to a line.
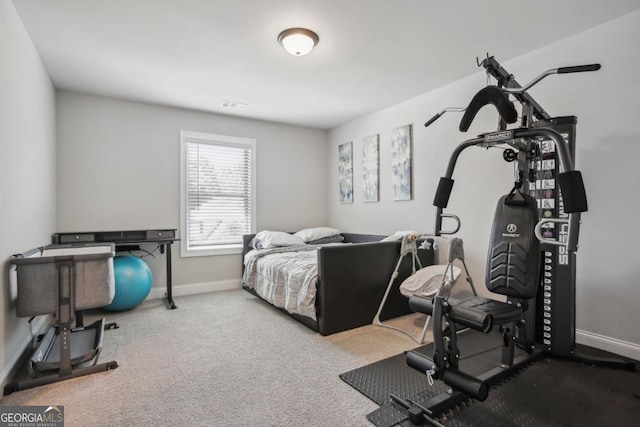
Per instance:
x=347, y=284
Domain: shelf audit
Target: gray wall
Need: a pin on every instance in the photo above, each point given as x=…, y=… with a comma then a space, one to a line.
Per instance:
x=118, y=169
x=28, y=171
x=608, y=149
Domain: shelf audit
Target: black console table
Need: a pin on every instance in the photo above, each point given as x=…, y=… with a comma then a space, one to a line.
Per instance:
x=123, y=239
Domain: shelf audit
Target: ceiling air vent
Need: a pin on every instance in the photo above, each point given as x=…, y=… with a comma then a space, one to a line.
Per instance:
x=234, y=105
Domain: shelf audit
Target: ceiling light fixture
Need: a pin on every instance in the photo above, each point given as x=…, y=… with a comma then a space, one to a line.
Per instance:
x=298, y=41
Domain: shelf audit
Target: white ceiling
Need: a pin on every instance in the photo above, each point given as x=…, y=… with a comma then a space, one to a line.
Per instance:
x=372, y=53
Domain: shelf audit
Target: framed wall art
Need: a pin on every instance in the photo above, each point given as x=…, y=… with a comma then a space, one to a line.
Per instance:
x=345, y=172
x=401, y=167
x=370, y=168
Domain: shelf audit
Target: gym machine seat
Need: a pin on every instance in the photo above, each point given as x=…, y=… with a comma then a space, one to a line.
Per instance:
x=512, y=270
x=478, y=313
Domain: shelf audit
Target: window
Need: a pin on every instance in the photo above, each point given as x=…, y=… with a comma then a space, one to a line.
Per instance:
x=217, y=192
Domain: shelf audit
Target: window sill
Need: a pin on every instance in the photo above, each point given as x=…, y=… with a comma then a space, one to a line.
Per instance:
x=211, y=251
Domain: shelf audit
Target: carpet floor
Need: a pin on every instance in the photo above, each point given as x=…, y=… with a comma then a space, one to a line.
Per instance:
x=229, y=359
x=221, y=359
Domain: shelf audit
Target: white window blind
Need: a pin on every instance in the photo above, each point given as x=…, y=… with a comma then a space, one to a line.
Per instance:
x=218, y=188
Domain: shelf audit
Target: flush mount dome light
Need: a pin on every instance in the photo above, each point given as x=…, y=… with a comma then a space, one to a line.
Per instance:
x=298, y=41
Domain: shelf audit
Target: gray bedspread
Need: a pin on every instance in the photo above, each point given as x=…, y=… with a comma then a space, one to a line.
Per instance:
x=285, y=277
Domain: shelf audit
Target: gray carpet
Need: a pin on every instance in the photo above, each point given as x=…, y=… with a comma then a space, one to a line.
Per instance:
x=221, y=359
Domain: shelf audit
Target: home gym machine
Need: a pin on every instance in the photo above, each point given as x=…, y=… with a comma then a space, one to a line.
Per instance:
x=532, y=250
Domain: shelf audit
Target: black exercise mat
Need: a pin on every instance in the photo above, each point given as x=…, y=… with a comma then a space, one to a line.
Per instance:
x=549, y=392
x=379, y=379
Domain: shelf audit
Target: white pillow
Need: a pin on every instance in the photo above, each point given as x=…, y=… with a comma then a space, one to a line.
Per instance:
x=310, y=234
x=272, y=239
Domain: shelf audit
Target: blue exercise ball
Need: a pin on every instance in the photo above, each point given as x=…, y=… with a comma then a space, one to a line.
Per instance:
x=132, y=282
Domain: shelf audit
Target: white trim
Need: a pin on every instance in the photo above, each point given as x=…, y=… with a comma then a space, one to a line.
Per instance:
x=39, y=327
x=195, y=288
x=221, y=250
x=613, y=345
x=191, y=136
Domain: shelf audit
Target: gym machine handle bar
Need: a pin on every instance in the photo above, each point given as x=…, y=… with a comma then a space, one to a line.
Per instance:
x=469, y=385
x=446, y=110
x=572, y=187
x=455, y=218
x=561, y=70
x=539, y=234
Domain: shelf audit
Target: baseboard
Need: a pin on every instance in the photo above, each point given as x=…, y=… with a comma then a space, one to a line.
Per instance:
x=195, y=288
x=613, y=345
x=40, y=325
